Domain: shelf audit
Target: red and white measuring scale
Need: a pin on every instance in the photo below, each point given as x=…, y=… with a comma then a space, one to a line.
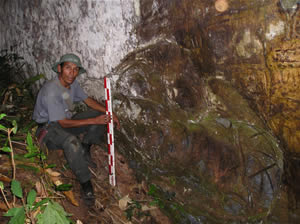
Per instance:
x=110, y=133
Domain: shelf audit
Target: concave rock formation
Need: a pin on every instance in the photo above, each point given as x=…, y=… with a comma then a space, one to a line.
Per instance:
x=209, y=104
x=249, y=44
x=195, y=138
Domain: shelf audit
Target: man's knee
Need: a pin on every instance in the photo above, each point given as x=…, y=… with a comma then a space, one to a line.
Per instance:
x=72, y=145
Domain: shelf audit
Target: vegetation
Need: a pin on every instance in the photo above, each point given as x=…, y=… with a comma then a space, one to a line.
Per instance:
x=16, y=129
x=33, y=210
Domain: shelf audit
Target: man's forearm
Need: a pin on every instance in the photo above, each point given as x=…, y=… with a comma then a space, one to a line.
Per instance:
x=97, y=106
x=66, y=123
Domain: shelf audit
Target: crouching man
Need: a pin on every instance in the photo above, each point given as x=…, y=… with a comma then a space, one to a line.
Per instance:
x=59, y=127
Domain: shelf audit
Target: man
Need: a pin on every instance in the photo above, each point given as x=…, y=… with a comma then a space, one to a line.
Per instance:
x=59, y=128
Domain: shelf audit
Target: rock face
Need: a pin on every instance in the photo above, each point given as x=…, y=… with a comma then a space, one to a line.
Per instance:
x=41, y=31
x=246, y=52
x=190, y=99
x=284, y=64
x=195, y=138
x=208, y=99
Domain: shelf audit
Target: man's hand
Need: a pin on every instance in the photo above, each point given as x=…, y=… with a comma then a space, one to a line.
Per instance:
x=116, y=121
x=97, y=106
x=102, y=119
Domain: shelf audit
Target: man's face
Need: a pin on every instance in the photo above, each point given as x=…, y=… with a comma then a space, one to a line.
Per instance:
x=67, y=73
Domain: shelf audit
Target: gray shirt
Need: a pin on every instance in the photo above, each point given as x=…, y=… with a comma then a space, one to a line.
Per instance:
x=55, y=102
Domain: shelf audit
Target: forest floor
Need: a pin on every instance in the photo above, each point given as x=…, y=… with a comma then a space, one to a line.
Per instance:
x=127, y=202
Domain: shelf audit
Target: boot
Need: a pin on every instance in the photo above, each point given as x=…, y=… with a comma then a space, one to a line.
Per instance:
x=87, y=154
x=88, y=193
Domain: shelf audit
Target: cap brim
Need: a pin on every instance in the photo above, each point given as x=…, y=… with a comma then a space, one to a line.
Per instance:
x=54, y=68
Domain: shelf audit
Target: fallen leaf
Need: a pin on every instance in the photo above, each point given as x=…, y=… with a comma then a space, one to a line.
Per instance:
x=19, y=93
x=40, y=190
x=123, y=202
x=71, y=197
x=12, y=86
x=58, y=182
x=68, y=194
x=4, y=178
x=6, y=96
x=36, y=212
x=52, y=173
x=6, y=166
x=148, y=208
x=3, y=206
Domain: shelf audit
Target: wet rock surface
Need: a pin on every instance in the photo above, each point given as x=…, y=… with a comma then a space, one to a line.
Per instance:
x=196, y=138
x=190, y=99
x=258, y=56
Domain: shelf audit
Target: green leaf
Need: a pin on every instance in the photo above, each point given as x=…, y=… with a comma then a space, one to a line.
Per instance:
x=3, y=128
x=18, y=215
x=6, y=149
x=32, y=149
x=44, y=201
x=14, y=130
x=28, y=167
x=53, y=213
x=15, y=126
x=31, y=154
x=29, y=142
x=157, y=202
x=138, y=205
x=153, y=203
x=50, y=166
x=43, y=156
x=152, y=189
x=11, y=212
x=16, y=188
x=129, y=213
x=64, y=187
x=1, y=185
x=31, y=197
x=2, y=116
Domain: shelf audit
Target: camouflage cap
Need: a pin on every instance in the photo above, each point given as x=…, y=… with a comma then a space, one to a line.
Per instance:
x=69, y=58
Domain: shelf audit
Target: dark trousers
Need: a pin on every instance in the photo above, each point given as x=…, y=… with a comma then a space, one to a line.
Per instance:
x=68, y=140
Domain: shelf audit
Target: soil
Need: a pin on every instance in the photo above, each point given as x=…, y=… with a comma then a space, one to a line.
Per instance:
x=112, y=204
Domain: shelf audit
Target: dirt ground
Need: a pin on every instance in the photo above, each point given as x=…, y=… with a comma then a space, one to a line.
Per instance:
x=112, y=205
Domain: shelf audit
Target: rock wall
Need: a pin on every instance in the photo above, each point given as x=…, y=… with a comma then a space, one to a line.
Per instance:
x=240, y=41
x=100, y=32
x=196, y=138
x=199, y=100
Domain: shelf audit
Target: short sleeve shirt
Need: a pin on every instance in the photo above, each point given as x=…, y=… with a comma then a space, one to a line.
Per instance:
x=53, y=101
